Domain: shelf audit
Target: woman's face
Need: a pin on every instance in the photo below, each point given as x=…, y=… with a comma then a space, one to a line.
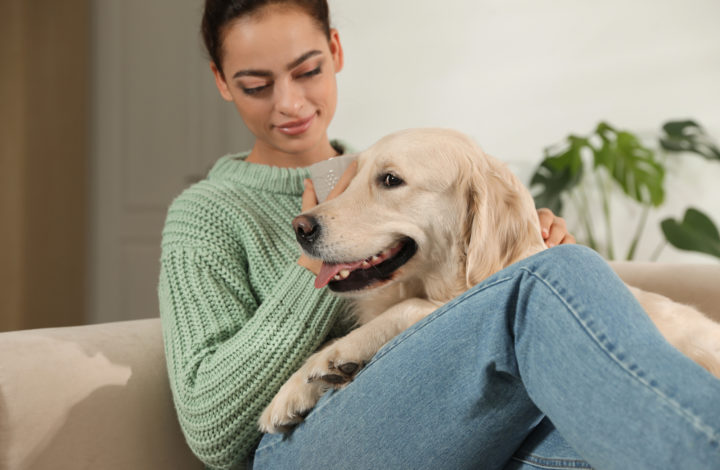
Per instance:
x=279, y=70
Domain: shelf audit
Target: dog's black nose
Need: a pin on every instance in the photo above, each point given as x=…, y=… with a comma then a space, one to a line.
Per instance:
x=307, y=229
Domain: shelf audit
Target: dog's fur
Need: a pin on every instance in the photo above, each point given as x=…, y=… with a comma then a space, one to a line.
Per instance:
x=469, y=217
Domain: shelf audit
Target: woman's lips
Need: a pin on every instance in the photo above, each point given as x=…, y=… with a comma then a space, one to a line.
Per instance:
x=296, y=127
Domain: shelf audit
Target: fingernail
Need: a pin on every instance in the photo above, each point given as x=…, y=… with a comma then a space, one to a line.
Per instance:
x=545, y=233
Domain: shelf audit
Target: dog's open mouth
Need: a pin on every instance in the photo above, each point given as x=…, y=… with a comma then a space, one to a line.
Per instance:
x=367, y=273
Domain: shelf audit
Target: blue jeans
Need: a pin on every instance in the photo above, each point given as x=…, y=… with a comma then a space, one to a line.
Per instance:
x=549, y=363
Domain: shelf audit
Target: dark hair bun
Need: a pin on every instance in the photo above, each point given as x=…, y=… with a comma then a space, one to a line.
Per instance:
x=219, y=13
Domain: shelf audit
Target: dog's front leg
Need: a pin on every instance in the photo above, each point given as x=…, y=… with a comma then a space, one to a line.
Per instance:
x=337, y=364
x=292, y=402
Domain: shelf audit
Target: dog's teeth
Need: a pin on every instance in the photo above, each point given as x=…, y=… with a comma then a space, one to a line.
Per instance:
x=337, y=278
x=365, y=264
x=375, y=259
x=344, y=274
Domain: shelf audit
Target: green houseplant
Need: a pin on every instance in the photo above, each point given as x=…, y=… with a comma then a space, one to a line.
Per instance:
x=587, y=172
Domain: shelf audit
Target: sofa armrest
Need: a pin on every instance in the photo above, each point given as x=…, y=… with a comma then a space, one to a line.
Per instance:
x=88, y=397
x=693, y=284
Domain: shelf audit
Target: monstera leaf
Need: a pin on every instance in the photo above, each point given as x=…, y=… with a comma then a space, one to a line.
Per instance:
x=688, y=136
x=632, y=165
x=558, y=173
x=696, y=232
x=620, y=162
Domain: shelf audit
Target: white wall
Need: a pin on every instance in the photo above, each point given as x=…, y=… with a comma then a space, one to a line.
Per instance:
x=520, y=75
x=516, y=75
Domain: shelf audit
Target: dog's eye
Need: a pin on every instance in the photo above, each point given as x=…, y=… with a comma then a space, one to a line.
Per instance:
x=389, y=180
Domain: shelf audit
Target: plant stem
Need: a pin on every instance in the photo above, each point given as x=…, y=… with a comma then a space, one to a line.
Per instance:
x=638, y=232
x=602, y=184
x=588, y=220
x=581, y=205
x=656, y=253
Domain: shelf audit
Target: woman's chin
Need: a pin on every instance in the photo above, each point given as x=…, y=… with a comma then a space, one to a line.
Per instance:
x=307, y=142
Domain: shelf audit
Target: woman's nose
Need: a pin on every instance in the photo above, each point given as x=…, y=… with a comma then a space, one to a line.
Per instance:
x=289, y=98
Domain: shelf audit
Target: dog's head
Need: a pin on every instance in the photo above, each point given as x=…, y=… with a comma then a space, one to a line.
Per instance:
x=427, y=207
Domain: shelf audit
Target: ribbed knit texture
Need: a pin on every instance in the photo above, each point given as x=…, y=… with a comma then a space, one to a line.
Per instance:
x=239, y=315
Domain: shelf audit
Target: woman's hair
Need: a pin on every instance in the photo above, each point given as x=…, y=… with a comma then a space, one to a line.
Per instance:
x=218, y=14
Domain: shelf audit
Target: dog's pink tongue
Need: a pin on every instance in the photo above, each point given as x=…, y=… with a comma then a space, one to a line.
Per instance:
x=328, y=271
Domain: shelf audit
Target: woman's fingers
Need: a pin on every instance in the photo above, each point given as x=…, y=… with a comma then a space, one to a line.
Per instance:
x=309, y=198
x=546, y=218
x=554, y=229
x=344, y=181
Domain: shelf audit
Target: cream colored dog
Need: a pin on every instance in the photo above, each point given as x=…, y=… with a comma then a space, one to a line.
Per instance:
x=428, y=216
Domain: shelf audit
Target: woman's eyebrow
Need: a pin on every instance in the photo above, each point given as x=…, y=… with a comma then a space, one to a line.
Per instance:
x=302, y=59
x=267, y=73
x=252, y=73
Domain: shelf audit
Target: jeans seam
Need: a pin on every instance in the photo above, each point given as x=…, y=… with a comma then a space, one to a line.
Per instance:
x=689, y=416
x=434, y=316
x=550, y=463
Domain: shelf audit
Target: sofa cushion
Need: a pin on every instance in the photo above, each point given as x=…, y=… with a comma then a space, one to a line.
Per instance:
x=97, y=397
x=88, y=397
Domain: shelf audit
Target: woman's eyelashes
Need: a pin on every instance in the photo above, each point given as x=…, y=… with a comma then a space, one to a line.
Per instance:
x=313, y=72
x=256, y=90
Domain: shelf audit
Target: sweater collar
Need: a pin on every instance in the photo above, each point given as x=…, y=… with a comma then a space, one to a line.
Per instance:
x=264, y=177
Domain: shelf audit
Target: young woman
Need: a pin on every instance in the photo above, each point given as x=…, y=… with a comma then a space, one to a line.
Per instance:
x=553, y=345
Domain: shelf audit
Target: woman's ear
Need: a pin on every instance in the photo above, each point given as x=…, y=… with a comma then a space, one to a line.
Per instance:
x=336, y=50
x=220, y=82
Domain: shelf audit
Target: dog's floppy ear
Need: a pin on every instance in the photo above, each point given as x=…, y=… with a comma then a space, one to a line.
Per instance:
x=502, y=225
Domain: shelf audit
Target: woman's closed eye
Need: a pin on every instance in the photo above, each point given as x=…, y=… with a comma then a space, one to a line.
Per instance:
x=316, y=71
x=308, y=69
x=254, y=90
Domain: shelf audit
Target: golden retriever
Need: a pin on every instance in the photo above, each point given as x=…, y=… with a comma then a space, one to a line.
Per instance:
x=432, y=215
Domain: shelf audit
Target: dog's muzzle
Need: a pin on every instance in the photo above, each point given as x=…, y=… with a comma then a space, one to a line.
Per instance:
x=307, y=231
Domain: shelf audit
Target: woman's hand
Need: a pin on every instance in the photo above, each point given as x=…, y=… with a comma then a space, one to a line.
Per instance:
x=309, y=200
x=553, y=229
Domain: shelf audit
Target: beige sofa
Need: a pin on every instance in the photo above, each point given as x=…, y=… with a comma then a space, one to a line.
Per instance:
x=97, y=397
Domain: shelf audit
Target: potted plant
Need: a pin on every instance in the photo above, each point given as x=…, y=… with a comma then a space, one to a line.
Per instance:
x=585, y=173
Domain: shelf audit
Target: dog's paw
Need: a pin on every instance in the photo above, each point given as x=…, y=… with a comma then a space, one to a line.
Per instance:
x=335, y=375
x=335, y=366
x=291, y=405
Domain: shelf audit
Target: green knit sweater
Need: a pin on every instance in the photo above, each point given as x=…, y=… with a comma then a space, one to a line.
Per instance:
x=239, y=316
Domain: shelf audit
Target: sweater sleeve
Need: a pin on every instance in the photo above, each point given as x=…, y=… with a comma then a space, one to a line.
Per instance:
x=227, y=356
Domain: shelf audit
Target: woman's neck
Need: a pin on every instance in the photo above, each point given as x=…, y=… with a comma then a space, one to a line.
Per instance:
x=266, y=155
